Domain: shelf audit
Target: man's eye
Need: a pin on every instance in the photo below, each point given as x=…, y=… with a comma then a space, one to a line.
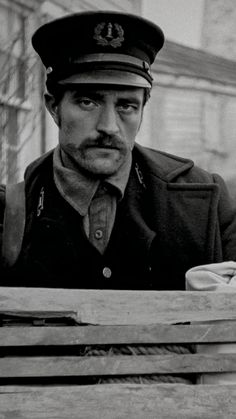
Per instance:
x=127, y=108
x=86, y=104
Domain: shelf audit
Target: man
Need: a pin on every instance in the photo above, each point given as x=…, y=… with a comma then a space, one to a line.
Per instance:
x=102, y=211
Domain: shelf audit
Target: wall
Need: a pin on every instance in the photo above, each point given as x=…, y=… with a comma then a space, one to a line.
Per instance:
x=59, y=7
x=190, y=118
x=219, y=28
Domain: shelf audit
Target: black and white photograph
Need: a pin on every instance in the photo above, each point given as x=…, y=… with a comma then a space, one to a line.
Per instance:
x=117, y=209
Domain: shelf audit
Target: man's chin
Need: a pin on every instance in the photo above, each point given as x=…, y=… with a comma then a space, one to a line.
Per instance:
x=103, y=167
x=104, y=162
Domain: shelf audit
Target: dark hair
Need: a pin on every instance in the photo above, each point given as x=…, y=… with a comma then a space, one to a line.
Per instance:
x=58, y=91
x=147, y=95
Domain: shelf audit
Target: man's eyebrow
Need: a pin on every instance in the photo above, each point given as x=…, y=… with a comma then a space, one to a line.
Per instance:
x=129, y=98
x=97, y=95
x=87, y=93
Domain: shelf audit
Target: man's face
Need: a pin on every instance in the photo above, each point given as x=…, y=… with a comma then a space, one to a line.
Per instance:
x=98, y=126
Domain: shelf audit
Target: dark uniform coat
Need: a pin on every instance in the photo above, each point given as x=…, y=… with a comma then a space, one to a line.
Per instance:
x=173, y=216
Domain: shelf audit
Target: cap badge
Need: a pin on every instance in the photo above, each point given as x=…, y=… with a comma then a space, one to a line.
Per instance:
x=109, y=34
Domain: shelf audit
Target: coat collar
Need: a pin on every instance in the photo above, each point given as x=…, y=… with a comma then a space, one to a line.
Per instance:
x=162, y=165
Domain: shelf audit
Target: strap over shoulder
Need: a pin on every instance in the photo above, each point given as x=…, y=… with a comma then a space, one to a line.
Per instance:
x=14, y=223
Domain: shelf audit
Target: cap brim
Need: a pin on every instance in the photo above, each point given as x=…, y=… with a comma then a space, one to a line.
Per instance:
x=115, y=77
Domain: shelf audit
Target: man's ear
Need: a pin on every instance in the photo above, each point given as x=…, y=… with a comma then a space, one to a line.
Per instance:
x=52, y=107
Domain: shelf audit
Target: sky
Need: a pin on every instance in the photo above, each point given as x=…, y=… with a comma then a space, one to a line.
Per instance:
x=180, y=20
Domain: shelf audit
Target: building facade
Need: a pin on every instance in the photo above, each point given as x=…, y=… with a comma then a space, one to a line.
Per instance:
x=219, y=28
x=193, y=107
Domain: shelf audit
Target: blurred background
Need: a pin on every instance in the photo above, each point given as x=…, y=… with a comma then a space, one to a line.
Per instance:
x=192, y=111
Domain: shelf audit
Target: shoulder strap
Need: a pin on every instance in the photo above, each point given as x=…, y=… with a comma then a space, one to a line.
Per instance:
x=14, y=223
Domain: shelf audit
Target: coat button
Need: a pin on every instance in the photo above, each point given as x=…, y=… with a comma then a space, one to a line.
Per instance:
x=98, y=234
x=106, y=272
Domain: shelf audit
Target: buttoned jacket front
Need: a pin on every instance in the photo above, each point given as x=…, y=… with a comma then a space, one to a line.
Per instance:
x=173, y=216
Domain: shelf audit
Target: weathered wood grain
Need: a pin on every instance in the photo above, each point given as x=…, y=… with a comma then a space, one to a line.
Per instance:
x=119, y=401
x=127, y=317
x=59, y=366
x=122, y=307
x=220, y=331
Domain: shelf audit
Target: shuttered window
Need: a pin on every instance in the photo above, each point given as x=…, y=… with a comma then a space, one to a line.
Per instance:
x=12, y=88
x=176, y=118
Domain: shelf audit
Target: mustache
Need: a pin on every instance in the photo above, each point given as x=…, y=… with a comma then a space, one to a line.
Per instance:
x=102, y=140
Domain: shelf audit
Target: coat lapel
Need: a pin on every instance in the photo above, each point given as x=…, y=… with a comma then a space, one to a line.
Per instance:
x=182, y=213
x=179, y=210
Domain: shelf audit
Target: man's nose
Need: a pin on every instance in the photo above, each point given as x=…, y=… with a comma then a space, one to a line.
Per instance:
x=107, y=120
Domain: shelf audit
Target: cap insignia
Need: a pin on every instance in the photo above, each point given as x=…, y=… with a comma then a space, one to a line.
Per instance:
x=109, y=34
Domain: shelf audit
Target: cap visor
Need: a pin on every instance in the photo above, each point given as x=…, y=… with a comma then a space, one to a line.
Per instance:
x=115, y=77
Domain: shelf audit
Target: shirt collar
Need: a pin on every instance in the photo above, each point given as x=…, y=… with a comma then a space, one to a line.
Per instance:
x=77, y=189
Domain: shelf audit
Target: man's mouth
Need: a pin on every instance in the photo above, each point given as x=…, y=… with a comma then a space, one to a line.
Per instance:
x=104, y=146
x=106, y=142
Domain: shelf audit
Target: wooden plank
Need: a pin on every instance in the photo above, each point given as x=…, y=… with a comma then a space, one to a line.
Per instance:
x=60, y=366
x=122, y=307
x=30, y=316
x=124, y=401
x=224, y=331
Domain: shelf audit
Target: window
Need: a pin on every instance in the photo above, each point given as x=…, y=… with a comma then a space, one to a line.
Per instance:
x=12, y=53
x=212, y=123
x=178, y=121
x=12, y=88
x=9, y=144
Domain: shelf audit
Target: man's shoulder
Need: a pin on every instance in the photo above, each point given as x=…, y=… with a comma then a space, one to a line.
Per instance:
x=170, y=167
x=159, y=156
x=42, y=163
